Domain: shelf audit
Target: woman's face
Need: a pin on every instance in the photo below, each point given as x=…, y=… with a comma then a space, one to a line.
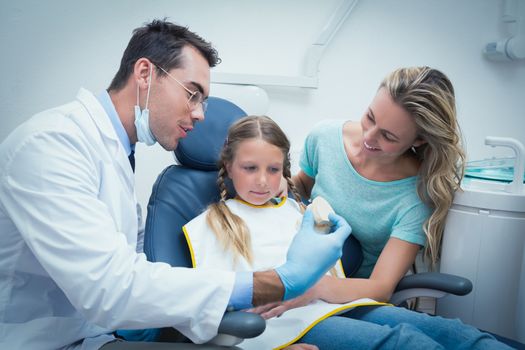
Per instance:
x=388, y=130
x=256, y=171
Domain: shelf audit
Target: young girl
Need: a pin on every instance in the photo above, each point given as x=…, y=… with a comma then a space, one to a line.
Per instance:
x=252, y=230
x=399, y=167
x=249, y=226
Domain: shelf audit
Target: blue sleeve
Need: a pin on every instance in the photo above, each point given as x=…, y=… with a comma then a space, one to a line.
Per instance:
x=146, y=335
x=306, y=162
x=242, y=294
x=409, y=225
x=323, y=135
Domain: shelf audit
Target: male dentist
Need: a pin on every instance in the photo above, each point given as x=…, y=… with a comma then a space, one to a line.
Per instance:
x=69, y=266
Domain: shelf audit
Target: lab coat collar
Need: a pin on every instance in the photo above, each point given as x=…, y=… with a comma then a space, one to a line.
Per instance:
x=97, y=112
x=103, y=123
x=106, y=102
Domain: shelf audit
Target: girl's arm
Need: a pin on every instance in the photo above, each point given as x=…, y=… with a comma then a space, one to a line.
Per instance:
x=393, y=263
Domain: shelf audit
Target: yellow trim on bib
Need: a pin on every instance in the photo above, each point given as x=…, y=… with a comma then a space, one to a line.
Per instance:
x=342, y=268
x=190, y=247
x=265, y=205
x=340, y=263
x=328, y=315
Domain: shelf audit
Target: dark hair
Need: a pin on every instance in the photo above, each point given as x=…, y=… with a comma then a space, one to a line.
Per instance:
x=161, y=42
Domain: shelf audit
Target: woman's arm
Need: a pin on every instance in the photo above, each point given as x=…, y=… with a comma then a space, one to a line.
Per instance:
x=303, y=183
x=393, y=263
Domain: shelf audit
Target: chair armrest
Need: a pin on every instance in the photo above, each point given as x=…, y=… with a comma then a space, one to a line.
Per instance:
x=430, y=284
x=242, y=324
x=451, y=284
x=237, y=326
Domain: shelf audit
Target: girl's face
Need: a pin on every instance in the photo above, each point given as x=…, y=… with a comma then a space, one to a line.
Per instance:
x=388, y=130
x=256, y=171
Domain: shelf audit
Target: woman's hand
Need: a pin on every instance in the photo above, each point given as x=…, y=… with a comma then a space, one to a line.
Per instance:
x=302, y=300
x=264, y=308
x=278, y=308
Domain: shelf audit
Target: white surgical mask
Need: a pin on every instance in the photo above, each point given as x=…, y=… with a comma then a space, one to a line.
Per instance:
x=144, y=133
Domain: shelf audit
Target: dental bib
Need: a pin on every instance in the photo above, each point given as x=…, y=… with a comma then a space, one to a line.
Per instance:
x=272, y=228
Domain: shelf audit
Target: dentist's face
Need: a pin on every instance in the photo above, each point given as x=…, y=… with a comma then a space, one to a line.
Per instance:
x=388, y=130
x=171, y=117
x=256, y=171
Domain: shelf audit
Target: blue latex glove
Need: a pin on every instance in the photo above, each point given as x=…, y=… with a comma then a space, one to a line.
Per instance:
x=312, y=254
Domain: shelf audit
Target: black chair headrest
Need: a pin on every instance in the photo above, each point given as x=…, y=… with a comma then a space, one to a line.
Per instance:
x=201, y=148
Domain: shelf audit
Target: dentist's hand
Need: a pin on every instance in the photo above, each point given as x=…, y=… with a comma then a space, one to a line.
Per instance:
x=311, y=254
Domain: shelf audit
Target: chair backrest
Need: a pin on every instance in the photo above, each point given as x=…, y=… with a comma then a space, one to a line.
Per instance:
x=352, y=256
x=183, y=191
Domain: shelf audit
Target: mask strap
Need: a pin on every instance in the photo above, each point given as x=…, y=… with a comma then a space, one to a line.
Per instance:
x=149, y=88
x=138, y=102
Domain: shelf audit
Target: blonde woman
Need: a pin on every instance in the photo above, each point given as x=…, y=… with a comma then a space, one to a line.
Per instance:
x=392, y=176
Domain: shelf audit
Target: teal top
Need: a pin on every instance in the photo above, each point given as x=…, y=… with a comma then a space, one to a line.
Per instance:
x=375, y=210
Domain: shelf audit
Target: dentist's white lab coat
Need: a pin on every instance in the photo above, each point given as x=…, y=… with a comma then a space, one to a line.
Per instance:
x=68, y=225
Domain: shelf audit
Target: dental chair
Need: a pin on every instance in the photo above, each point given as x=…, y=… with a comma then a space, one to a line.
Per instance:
x=183, y=191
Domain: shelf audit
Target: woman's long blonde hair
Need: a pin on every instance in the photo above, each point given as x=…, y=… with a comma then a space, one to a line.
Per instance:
x=229, y=228
x=428, y=96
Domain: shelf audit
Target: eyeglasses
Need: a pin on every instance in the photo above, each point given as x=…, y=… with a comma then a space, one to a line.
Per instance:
x=196, y=97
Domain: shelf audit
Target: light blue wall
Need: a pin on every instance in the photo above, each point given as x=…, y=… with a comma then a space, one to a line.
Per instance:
x=51, y=48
